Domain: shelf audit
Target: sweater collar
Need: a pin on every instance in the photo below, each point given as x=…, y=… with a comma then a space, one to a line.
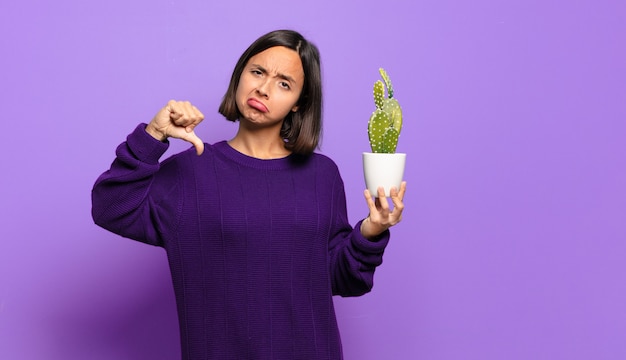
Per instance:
x=287, y=162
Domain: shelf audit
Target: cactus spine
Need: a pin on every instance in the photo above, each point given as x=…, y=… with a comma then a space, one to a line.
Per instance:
x=386, y=121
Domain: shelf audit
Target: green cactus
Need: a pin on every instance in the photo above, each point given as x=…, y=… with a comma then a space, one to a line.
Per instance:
x=386, y=121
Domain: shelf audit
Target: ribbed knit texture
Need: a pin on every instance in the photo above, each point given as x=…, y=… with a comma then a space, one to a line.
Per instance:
x=256, y=247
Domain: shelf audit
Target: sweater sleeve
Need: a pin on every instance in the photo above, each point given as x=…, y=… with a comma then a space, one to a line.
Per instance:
x=128, y=199
x=353, y=258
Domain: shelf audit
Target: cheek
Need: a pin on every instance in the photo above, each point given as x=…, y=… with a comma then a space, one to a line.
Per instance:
x=288, y=105
x=244, y=88
x=294, y=103
x=238, y=93
x=241, y=92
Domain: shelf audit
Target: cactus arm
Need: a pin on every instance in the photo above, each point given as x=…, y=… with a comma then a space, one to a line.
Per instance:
x=378, y=124
x=390, y=140
x=387, y=81
x=379, y=94
x=392, y=108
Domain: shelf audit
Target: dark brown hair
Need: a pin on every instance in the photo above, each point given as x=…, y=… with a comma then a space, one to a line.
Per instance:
x=301, y=129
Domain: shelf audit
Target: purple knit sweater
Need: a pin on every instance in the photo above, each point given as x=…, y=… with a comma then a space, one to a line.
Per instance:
x=256, y=248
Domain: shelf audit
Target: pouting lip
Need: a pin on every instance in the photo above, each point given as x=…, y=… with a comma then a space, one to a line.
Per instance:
x=257, y=104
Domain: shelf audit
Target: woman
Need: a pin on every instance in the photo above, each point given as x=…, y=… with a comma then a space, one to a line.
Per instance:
x=255, y=228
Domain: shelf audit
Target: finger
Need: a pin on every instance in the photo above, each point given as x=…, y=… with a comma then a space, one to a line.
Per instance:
x=174, y=109
x=171, y=104
x=381, y=191
x=199, y=148
x=377, y=203
x=190, y=116
x=370, y=201
x=395, y=196
x=379, y=208
x=402, y=190
x=398, y=205
x=374, y=208
x=195, y=141
x=197, y=114
x=175, y=117
x=195, y=118
x=179, y=117
x=179, y=113
x=382, y=199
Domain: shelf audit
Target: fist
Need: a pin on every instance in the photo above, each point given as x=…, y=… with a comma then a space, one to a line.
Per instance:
x=177, y=119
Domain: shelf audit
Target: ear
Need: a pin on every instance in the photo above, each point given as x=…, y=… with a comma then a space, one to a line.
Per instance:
x=295, y=108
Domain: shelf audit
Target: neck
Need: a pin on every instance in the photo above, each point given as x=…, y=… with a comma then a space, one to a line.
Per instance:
x=259, y=144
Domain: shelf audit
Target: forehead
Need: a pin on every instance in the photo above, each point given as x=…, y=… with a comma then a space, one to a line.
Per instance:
x=279, y=59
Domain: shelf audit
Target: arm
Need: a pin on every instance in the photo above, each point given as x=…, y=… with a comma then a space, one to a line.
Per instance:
x=136, y=197
x=122, y=200
x=353, y=258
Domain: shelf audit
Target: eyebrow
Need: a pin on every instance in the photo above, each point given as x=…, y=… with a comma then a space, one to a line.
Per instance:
x=279, y=75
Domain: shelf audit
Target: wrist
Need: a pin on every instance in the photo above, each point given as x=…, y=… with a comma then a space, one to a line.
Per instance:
x=156, y=133
x=368, y=232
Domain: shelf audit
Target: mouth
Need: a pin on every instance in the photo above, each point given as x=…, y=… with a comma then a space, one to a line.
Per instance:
x=257, y=105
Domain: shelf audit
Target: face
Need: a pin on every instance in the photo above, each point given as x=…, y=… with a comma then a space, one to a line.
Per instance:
x=270, y=86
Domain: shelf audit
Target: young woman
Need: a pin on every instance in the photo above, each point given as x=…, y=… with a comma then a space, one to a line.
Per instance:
x=255, y=228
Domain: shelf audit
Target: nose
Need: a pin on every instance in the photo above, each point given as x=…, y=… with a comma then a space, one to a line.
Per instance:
x=263, y=88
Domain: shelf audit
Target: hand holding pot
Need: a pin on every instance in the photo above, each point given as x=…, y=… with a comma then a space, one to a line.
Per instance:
x=381, y=216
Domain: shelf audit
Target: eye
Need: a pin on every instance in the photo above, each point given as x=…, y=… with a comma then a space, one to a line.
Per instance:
x=284, y=85
x=256, y=72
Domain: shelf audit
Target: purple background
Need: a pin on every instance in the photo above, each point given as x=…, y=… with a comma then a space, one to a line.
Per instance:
x=513, y=244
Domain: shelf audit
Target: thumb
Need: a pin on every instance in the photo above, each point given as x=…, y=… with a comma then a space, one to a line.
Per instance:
x=195, y=141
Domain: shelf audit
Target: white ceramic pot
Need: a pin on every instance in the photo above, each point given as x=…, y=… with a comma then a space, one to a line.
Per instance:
x=386, y=170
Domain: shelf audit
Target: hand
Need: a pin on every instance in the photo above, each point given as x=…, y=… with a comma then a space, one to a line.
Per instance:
x=178, y=120
x=381, y=217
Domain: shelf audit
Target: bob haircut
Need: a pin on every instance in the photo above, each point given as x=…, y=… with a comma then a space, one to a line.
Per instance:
x=301, y=129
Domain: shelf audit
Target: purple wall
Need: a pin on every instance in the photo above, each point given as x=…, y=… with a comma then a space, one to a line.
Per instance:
x=513, y=244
